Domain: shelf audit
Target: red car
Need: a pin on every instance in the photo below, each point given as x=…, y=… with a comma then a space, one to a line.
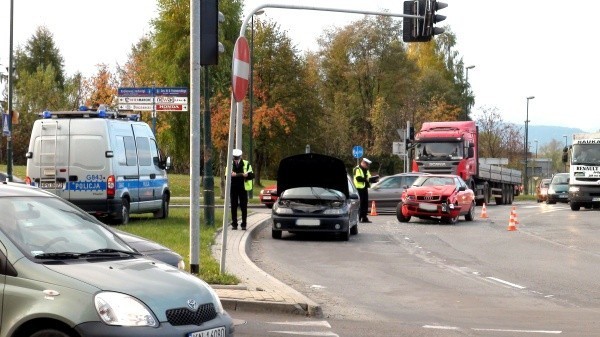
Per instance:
x=437, y=196
x=268, y=195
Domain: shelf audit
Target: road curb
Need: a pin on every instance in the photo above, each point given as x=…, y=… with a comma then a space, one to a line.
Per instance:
x=263, y=306
x=307, y=306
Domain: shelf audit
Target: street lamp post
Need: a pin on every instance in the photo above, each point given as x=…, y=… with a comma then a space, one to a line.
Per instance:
x=527, y=145
x=536, y=161
x=467, y=91
x=251, y=92
x=565, y=149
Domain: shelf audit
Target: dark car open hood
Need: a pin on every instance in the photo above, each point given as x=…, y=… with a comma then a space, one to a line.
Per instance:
x=312, y=170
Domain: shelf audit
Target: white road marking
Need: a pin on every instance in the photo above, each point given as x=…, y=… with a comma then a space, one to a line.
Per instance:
x=525, y=331
x=440, y=327
x=307, y=333
x=506, y=282
x=307, y=323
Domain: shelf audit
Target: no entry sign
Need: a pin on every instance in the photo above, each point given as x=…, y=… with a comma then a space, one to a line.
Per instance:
x=241, y=69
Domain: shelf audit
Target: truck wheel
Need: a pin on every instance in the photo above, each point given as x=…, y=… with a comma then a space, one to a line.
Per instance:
x=575, y=206
x=399, y=214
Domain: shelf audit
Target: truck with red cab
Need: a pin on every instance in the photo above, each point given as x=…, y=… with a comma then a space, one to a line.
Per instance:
x=453, y=148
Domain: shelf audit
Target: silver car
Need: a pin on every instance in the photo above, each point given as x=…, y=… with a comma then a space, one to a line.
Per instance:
x=66, y=274
x=388, y=191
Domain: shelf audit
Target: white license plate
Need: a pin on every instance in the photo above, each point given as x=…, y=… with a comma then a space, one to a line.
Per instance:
x=428, y=207
x=216, y=332
x=266, y=197
x=563, y=196
x=52, y=186
x=308, y=222
x=596, y=199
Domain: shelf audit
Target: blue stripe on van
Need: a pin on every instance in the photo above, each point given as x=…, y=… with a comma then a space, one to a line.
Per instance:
x=101, y=185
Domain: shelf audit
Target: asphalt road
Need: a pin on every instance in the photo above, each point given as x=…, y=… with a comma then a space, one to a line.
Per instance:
x=471, y=279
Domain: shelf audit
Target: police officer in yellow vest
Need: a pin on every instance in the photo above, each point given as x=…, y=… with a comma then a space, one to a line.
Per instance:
x=241, y=182
x=362, y=181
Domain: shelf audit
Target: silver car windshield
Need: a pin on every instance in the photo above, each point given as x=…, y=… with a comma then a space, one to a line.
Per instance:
x=43, y=226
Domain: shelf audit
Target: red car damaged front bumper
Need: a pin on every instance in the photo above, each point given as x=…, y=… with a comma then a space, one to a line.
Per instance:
x=420, y=208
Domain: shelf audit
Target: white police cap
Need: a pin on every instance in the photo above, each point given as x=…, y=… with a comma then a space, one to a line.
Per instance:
x=237, y=152
x=366, y=160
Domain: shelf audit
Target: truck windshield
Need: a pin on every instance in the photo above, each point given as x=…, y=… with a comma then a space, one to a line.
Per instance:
x=586, y=154
x=430, y=151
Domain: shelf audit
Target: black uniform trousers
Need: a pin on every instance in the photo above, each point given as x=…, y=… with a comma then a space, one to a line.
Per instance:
x=363, y=193
x=239, y=197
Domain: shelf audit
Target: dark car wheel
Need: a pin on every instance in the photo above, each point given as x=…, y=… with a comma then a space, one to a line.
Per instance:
x=346, y=235
x=123, y=216
x=269, y=205
x=550, y=202
x=399, y=214
x=471, y=214
x=275, y=234
x=49, y=333
x=575, y=207
x=163, y=213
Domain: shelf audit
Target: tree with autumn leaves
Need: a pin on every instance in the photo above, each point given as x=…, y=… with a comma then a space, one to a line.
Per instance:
x=360, y=86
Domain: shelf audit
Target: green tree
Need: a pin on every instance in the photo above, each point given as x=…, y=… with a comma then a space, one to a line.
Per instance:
x=41, y=52
x=498, y=139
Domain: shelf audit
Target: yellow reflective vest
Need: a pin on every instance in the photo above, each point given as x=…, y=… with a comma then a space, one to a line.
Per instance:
x=358, y=172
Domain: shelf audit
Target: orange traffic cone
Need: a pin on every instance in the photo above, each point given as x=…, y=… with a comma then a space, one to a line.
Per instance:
x=484, y=212
x=514, y=212
x=511, y=222
x=373, y=209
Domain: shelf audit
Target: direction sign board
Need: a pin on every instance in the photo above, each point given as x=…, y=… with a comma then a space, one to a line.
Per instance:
x=153, y=99
x=171, y=99
x=136, y=107
x=357, y=151
x=171, y=107
x=135, y=100
x=5, y=130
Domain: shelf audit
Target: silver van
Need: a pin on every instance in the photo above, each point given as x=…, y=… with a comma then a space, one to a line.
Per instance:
x=105, y=163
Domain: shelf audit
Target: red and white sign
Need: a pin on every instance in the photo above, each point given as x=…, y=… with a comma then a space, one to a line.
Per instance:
x=241, y=69
x=171, y=107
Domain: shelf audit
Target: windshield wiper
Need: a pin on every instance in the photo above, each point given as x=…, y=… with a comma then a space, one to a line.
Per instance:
x=105, y=252
x=109, y=252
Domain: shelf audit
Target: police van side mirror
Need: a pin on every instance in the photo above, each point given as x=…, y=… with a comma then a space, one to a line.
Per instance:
x=165, y=164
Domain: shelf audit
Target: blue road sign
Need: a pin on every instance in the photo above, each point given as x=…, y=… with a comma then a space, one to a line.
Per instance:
x=5, y=130
x=357, y=151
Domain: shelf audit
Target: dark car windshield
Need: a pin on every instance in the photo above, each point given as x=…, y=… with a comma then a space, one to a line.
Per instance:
x=312, y=193
x=46, y=225
x=561, y=179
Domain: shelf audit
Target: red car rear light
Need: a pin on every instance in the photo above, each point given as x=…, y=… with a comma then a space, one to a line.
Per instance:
x=110, y=187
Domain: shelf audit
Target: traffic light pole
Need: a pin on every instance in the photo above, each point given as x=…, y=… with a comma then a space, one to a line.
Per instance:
x=9, y=144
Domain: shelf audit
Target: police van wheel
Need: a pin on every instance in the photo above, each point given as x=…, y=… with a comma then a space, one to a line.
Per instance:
x=163, y=213
x=124, y=212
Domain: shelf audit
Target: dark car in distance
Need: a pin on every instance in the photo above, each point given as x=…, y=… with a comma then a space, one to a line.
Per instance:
x=387, y=192
x=324, y=201
x=558, y=190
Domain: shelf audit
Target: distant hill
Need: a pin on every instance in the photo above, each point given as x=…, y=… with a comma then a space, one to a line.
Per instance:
x=544, y=134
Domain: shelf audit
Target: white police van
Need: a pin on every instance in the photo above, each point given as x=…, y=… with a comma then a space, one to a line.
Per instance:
x=106, y=163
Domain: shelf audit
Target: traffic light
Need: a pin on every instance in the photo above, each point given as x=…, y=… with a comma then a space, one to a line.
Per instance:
x=435, y=18
x=209, y=32
x=422, y=29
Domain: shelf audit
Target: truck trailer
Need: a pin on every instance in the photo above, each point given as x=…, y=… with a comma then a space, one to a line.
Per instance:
x=452, y=148
x=583, y=157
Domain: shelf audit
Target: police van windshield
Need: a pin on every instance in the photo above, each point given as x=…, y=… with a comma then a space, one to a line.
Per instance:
x=441, y=150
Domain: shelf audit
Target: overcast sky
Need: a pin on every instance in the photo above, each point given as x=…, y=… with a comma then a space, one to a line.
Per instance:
x=519, y=48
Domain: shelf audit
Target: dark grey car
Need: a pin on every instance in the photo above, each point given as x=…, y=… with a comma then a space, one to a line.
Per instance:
x=558, y=190
x=315, y=195
x=388, y=191
x=66, y=274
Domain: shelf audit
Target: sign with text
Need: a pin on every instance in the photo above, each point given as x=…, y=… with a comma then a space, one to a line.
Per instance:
x=153, y=99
